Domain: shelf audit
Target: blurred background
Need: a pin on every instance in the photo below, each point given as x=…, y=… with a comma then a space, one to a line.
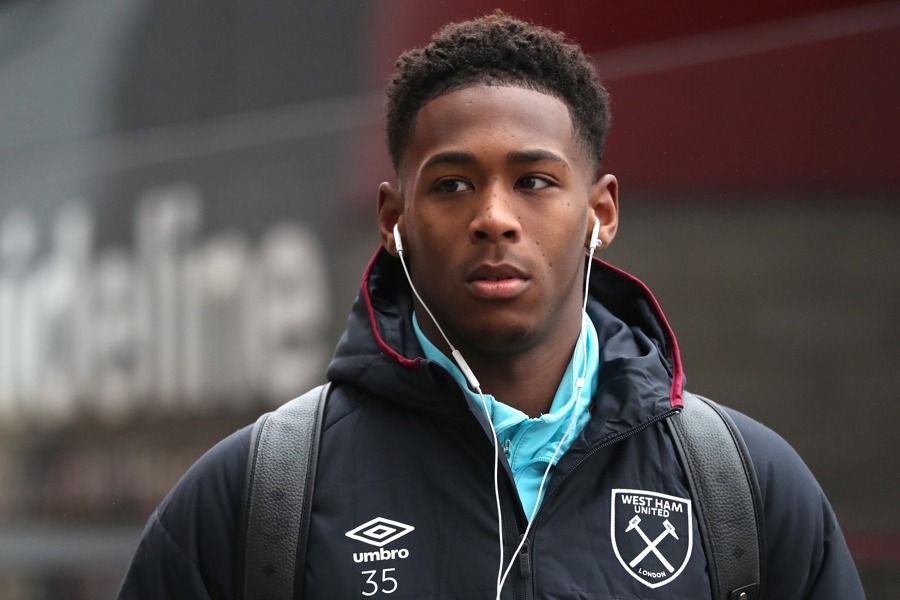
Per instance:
x=187, y=202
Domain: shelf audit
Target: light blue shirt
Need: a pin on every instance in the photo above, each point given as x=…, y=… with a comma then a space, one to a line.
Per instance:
x=529, y=443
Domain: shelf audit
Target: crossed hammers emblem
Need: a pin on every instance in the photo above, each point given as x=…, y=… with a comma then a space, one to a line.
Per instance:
x=669, y=529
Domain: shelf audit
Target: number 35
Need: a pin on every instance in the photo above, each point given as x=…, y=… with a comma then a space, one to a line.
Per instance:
x=389, y=583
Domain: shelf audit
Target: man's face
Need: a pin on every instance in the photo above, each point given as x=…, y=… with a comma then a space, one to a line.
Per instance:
x=495, y=208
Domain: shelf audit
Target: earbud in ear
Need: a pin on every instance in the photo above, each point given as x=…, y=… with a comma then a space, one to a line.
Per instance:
x=397, y=243
x=595, y=236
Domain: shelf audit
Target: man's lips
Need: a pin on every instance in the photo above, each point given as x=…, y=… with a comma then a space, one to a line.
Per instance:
x=497, y=282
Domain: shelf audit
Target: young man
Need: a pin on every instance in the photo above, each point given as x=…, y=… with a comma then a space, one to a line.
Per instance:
x=496, y=131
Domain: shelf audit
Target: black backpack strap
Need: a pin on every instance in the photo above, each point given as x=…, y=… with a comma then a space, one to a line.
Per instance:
x=726, y=496
x=281, y=472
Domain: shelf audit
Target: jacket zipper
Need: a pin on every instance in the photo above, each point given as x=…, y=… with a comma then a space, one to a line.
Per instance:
x=524, y=559
x=512, y=532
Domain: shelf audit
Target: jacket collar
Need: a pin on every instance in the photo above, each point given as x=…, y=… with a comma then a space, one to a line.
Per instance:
x=640, y=371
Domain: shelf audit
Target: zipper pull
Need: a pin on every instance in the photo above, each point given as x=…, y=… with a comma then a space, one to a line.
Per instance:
x=525, y=560
x=506, y=448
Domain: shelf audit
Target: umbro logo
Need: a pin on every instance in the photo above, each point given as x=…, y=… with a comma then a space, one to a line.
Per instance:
x=379, y=532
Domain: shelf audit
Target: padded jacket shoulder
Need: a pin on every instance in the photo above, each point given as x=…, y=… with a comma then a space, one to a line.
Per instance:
x=187, y=548
x=799, y=522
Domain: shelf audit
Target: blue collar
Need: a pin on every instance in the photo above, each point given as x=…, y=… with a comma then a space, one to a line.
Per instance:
x=530, y=443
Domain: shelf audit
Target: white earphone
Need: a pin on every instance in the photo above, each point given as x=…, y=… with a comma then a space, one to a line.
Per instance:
x=595, y=236
x=397, y=243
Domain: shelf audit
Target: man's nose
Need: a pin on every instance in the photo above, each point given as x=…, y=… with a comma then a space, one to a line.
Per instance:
x=496, y=218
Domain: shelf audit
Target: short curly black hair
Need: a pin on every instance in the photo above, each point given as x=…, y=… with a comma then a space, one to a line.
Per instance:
x=497, y=50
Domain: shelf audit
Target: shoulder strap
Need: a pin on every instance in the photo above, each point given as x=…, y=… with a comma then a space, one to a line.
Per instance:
x=281, y=471
x=726, y=497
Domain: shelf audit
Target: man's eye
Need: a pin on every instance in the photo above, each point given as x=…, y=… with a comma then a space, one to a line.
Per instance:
x=452, y=186
x=533, y=183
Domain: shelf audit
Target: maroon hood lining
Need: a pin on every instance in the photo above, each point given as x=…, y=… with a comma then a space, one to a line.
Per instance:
x=675, y=392
x=387, y=350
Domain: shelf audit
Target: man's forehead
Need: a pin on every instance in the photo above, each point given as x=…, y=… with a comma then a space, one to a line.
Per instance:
x=457, y=121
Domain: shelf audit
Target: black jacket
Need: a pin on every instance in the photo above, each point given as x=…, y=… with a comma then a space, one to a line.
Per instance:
x=404, y=503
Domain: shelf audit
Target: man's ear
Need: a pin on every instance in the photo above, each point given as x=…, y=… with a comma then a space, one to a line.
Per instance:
x=390, y=213
x=604, y=207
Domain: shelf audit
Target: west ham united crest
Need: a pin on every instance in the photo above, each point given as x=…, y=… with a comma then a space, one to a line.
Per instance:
x=652, y=534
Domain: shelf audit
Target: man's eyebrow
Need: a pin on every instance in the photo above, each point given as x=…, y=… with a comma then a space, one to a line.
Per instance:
x=463, y=157
x=530, y=156
x=451, y=157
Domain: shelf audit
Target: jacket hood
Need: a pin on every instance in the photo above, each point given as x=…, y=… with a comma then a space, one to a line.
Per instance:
x=640, y=371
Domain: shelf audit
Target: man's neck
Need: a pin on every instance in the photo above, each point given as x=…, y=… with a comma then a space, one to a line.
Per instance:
x=526, y=379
